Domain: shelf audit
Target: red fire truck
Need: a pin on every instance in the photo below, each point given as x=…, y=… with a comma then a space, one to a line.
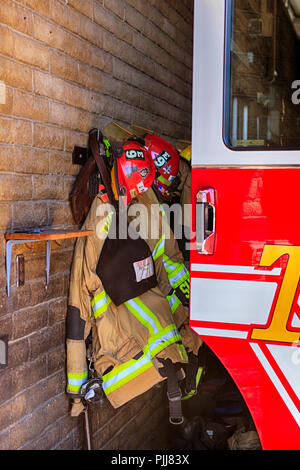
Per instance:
x=245, y=262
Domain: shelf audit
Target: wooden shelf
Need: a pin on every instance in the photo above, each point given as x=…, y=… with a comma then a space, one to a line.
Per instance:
x=47, y=235
x=38, y=235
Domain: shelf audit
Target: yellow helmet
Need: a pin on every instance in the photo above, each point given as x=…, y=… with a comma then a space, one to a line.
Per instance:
x=186, y=153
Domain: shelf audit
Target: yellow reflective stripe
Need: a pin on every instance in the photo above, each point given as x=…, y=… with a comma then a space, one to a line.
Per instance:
x=193, y=392
x=169, y=265
x=98, y=297
x=144, y=315
x=75, y=380
x=177, y=272
x=123, y=373
x=174, y=302
x=100, y=303
x=179, y=278
x=182, y=352
x=162, y=210
x=159, y=248
x=161, y=340
x=106, y=224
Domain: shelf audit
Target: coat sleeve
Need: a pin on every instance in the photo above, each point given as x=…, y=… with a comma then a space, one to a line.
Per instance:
x=85, y=286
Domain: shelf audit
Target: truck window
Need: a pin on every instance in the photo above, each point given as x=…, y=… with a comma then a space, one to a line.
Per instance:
x=262, y=74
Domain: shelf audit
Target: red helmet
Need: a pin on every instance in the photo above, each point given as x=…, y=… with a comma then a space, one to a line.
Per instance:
x=134, y=171
x=166, y=160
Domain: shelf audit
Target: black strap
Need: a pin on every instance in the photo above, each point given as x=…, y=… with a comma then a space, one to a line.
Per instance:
x=191, y=370
x=174, y=393
x=98, y=151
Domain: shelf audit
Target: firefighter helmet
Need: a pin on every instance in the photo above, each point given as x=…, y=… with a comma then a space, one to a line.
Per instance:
x=134, y=171
x=166, y=160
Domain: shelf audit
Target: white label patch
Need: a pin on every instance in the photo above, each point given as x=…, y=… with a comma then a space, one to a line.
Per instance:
x=143, y=269
x=141, y=187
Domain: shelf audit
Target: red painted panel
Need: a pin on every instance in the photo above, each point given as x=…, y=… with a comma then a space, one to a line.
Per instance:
x=254, y=208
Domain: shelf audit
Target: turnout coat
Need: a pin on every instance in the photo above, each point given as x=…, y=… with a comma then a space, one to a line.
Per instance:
x=130, y=342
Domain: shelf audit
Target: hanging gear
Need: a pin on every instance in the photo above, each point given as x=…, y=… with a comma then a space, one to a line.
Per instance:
x=128, y=339
x=134, y=171
x=87, y=183
x=132, y=340
x=91, y=391
x=166, y=160
x=125, y=267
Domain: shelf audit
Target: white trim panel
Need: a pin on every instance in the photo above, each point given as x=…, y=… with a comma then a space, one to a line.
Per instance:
x=231, y=301
x=276, y=382
x=219, y=268
x=220, y=332
x=288, y=359
x=208, y=146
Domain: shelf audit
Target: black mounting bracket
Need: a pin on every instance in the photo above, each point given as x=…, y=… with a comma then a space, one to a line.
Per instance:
x=80, y=155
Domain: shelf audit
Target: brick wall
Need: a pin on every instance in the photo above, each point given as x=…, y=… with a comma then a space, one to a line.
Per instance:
x=67, y=66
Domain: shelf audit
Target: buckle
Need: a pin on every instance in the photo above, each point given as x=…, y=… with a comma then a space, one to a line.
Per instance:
x=176, y=421
x=174, y=396
x=190, y=394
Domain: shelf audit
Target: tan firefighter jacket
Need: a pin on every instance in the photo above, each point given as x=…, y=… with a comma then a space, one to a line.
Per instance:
x=128, y=340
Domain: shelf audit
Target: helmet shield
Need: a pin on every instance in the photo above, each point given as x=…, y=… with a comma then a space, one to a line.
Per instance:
x=134, y=171
x=166, y=160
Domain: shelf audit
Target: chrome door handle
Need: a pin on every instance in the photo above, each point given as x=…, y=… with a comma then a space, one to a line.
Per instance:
x=206, y=221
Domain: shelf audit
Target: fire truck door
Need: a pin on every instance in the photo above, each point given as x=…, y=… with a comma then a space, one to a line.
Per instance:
x=245, y=259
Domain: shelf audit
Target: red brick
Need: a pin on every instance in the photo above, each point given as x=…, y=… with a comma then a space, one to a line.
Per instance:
x=56, y=408
x=83, y=6
x=46, y=440
x=61, y=163
x=5, y=441
x=29, y=160
x=28, y=374
x=70, y=117
x=73, y=138
x=16, y=75
x=17, y=17
x=29, y=320
x=31, y=52
x=27, y=429
x=18, y=352
x=30, y=214
x=116, y=6
x=42, y=341
x=5, y=418
x=6, y=104
x=45, y=136
x=42, y=6
x=30, y=106
x=14, y=188
x=47, y=187
x=60, y=213
x=7, y=42
x=64, y=15
x=64, y=66
x=6, y=216
x=15, y=131
x=56, y=361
